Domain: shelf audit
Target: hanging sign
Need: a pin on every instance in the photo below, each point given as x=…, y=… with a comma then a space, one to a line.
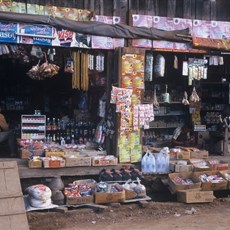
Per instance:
x=66, y=38
x=35, y=34
x=8, y=32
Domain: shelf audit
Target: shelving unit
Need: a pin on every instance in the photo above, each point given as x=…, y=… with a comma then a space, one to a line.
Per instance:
x=33, y=127
x=215, y=95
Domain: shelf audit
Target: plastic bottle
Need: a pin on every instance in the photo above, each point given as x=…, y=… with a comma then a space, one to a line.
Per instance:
x=144, y=163
x=152, y=168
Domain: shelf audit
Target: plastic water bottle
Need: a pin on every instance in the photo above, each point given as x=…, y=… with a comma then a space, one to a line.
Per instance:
x=144, y=163
x=152, y=163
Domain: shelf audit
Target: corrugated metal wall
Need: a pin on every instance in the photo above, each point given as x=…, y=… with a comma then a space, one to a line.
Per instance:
x=195, y=9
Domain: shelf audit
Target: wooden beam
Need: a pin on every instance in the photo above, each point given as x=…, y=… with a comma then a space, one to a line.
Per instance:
x=213, y=10
x=171, y=9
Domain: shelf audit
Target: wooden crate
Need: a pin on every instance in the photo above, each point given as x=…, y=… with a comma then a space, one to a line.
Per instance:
x=109, y=197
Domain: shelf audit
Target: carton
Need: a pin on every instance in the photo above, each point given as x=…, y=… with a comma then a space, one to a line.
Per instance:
x=218, y=165
x=185, y=175
x=175, y=167
x=79, y=200
x=208, y=186
x=199, y=165
x=226, y=176
x=25, y=153
x=199, y=154
x=183, y=155
x=35, y=163
x=53, y=163
x=77, y=161
x=193, y=196
x=109, y=197
x=54, y=153
x=104, y=160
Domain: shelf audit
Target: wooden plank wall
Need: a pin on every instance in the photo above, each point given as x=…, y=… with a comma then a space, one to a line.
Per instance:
x=194, y=9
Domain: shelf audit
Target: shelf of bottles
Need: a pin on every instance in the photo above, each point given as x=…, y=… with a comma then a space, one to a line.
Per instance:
x=33, y=127
x=71, y=132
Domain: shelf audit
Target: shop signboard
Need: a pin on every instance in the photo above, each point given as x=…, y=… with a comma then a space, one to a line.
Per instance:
x=8, y=32
x=66, y=38
x=35, y=34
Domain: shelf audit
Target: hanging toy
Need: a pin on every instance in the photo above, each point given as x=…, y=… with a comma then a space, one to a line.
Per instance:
x=166, y=96
x=185, y=99
x=51, y=53
x=194, y=96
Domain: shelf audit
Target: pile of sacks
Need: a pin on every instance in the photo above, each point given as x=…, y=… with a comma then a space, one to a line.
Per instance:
x=39, y=196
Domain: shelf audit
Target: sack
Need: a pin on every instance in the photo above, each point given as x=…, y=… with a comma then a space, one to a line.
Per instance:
x=39, y=192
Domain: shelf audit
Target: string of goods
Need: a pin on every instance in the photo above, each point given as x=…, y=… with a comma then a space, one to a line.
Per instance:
x=80, y=76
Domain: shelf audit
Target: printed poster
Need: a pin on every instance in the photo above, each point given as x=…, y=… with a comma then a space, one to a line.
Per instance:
x=66, y=38
x=8, y=32
x=44, y=34
x=146, y=21
x=108, y=43
x=170, y=24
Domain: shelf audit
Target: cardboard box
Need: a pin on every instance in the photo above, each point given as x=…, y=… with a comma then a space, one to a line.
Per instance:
x=175, y=167
x=209, y=186
x=109, y=197
x=186, y=175
x=53, y=163
x=226, y=176
x=79, y=200
x=199, y=154
x=92, y=153
x=54, y=153
x=104, y=160
x=193, y=196
x=25, y=154
x=183, y=155
x=72, y=152
x=217, y=165
x=35, y=163
x=77, y=161
x=199, y=165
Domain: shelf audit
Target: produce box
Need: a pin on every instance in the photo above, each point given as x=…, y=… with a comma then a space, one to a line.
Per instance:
x=54, y=153
x=53, y=162
x=199, y=165
x=199, y=154
x=226, y=176
x=79, y=200
x=77, y=161
x=92, y=153
x=213, y=185
x=175, y=166
x=104, y=160
x=71, y=152
x=109, y=197
x=174, y=187
x=218, y=165
x=194, y=196
x=25, y=153
x=35, y=163
x=183, y=155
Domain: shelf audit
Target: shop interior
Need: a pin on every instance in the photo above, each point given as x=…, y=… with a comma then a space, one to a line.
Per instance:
x=20, y=94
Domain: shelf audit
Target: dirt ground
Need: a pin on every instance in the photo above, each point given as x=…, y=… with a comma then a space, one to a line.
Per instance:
x=155, y=215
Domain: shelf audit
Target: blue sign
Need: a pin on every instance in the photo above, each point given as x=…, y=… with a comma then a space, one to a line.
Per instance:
x=35, y=34
x=8, y=32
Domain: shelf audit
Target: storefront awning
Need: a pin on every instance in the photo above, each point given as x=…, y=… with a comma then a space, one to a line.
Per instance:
x=97, y=28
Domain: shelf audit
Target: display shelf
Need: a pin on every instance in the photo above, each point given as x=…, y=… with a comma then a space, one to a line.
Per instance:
x=33, y=127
